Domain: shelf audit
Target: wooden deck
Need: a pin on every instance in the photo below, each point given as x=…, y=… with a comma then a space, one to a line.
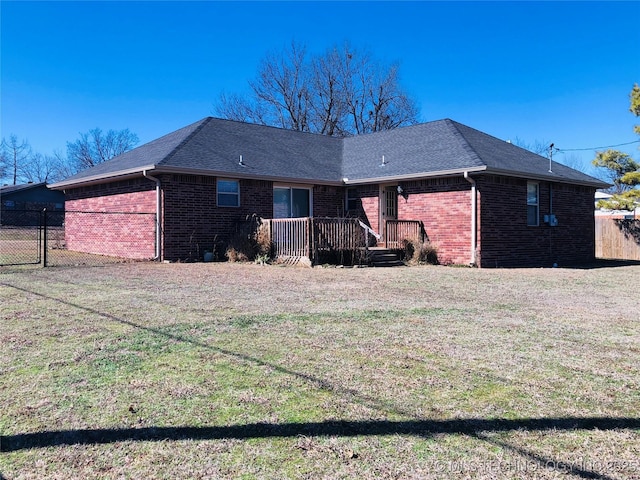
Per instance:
x=318, y=240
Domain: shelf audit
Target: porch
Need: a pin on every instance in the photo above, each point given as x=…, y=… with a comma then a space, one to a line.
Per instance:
x=343, y=241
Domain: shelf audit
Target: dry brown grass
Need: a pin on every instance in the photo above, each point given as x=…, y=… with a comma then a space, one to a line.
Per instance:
x=246, y=371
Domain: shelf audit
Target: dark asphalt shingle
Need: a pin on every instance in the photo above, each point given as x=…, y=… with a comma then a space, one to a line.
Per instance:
x=215, y=145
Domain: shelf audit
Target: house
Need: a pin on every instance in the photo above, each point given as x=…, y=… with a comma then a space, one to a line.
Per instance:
x=617, y=214
x=482, y=201
x=22, y=204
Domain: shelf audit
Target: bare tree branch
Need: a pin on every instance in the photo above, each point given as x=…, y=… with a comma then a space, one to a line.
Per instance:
x=95, y=147
x=342, y=92
x=15, y=154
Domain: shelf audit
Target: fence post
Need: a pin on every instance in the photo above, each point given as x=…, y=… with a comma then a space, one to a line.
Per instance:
x=45, y=239
x=312, y=245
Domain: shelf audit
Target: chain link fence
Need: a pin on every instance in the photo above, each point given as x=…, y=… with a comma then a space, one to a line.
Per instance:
x=21, y=237
x=72, y=238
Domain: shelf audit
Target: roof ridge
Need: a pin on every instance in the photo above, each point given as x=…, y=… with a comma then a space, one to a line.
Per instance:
x=196, y=130
x=465, y=144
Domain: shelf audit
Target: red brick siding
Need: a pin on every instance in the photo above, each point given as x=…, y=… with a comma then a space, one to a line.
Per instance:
x=136, y=195
x=328, y=201
x=368, y=205
x=442, y=204
x=109, y=219
x=444, y=207
x=193, y=222
x=505, y=238
x=126, y=235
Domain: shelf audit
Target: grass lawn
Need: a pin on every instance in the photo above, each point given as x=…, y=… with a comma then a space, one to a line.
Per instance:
x=211, y=370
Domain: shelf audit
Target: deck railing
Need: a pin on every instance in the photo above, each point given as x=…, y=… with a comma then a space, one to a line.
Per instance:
x=396, y=231
x=316, y=237
x=290, y=237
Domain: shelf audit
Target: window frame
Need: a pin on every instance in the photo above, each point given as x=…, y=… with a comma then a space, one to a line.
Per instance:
x=351, y=202
x=227, y=194
x=292, y=187
x=533, y=205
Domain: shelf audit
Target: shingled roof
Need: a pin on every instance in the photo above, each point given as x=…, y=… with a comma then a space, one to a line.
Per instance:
x=215, y=146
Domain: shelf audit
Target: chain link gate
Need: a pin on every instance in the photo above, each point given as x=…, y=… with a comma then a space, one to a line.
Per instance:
x=21, y=237
x=73, y=238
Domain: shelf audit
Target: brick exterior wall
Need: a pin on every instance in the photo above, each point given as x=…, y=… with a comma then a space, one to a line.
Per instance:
x=505, y=239
x=367, y=206
x=328, y=201
x=112, y=219
x=193, y=222
x=444, y=207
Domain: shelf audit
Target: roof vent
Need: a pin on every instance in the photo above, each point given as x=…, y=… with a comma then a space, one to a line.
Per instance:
x=241, y=162
x=384, y=162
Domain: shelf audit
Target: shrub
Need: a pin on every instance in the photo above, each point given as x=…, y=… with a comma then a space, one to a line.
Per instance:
x=240, y=249
x=263, y=240
x=245, y=247
x=418, y=252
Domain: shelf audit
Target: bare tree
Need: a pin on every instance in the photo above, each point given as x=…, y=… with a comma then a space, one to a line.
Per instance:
x=572, y=161
x=4, y=161
x=95, y=147
x=15, y=155
x=43, y=168
x=540, y=147
x=342, y=92
x=329, y=102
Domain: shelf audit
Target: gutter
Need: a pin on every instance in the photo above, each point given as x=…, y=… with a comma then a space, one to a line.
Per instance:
x=556, y=177
x=474, y=220
x=100, y=178
x=412, y=176
x=158, y=253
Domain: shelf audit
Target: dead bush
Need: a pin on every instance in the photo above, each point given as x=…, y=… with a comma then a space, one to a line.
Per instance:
x=241, y=249
x=263, y=240
x=248, y=247
x=417, y=252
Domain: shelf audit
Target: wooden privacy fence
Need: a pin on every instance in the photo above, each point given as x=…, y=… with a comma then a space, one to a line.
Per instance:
x=397, y=231
x=311, y=237
x=617, y=238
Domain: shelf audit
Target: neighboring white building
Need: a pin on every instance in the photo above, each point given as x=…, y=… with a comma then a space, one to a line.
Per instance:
x=624, y=214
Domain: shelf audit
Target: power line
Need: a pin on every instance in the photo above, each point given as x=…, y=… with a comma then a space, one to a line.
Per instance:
x=594, y=148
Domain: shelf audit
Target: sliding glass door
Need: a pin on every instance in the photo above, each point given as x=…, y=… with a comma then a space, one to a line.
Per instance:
x=290, y=202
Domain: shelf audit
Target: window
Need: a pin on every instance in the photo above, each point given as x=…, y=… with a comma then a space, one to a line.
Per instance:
x=289, y=202
x=352, y=199
x=228, y=193
x=533, y=204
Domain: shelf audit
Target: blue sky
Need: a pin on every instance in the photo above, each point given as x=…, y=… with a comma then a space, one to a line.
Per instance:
x=548, y=71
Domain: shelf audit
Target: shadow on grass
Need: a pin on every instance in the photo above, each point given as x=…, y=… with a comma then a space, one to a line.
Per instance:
x=604, y=263
x=318, y=382
x=342, y=428
x=476, y=428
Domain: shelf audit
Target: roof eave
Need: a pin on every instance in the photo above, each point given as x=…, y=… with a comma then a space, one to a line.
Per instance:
x=549, y=177
x=155, y=170
x=240, y=175
x=102, y=178
x=413, y=176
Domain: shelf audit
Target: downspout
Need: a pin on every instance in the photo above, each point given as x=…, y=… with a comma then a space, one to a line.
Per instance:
x=158, y=253
x=474, y=222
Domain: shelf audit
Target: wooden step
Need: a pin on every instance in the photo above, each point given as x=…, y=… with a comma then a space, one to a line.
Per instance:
x=383, y=257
